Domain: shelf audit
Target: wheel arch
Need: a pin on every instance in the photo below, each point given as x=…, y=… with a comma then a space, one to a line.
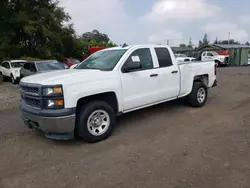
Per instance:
x=108, y=97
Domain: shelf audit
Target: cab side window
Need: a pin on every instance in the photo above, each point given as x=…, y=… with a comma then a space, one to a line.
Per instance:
x=210, y=54
x=164, y=57
x=143, y=56
x=32, y=67
x=6, y=65
x=26, y=66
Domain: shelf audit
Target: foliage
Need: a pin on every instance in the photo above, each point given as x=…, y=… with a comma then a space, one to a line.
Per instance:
x=182, y=45
x=190, y=44
x=42, y=29
x=96, y=36
x=30, y=58
x=231, y=41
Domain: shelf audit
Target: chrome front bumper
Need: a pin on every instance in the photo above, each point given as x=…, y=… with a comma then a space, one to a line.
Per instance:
x=55, y=124
x=48, y=125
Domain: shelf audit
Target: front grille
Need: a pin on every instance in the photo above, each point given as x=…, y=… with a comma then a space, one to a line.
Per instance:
x=32, y=102
x=31, y=90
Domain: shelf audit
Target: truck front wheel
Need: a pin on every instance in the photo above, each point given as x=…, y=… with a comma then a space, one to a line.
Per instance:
x=95, y=121
x=198, y=95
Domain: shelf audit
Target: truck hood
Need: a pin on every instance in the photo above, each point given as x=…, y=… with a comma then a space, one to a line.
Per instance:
x=65, y=77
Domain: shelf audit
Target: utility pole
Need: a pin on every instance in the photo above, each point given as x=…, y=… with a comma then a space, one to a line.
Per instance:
x=229, y=37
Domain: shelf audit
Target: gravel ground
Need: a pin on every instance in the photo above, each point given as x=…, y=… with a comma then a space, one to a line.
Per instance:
x=9, y=95
x=170, y=145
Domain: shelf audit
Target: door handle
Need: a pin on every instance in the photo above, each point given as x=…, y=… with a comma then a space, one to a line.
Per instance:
x=153, y=75
x=174, y=72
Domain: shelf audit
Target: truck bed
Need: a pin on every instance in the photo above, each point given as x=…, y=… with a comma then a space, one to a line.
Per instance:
x=191, y=69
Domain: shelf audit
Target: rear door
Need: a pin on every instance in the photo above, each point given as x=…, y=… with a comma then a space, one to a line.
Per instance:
x=168, y=79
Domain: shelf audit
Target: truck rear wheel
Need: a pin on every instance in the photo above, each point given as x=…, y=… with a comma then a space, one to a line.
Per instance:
x=95, y=121
x=198, y=95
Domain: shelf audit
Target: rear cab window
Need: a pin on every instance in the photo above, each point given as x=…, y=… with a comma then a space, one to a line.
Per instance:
x=163, y=56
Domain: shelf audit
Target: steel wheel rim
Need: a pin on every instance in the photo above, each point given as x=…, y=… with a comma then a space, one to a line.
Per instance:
x=98, y=122
x=201, y=95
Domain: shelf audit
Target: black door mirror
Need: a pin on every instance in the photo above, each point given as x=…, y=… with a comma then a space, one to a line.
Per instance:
x=132, y=64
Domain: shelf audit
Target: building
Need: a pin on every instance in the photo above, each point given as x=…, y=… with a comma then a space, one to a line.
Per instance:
x=238, y=53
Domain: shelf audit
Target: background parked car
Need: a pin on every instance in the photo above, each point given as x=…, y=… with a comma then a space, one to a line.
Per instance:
x=34, y=67
x=70, y=61
x=184, y=58
x=10, y=69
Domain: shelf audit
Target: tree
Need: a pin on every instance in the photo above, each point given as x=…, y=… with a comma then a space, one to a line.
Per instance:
x=247, y=43
x=216, y=41
x=231, y=41
x=183, y=45
x=205, y=40
x=200, y=43
x=96, y=36
x=190, y=44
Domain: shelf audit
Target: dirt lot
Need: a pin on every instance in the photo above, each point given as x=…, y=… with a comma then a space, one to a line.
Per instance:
x=169, y=145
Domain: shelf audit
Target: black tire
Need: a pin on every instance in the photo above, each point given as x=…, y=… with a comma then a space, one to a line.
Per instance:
x=82, y=130
x=13, y=79
x=218, y=63
x=193, y=97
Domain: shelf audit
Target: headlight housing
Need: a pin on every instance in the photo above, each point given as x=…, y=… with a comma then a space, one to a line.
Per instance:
x=53, y=97
x=54, y=103
x=53, y=91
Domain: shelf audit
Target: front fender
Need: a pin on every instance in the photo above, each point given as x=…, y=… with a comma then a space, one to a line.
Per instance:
x=74, y=92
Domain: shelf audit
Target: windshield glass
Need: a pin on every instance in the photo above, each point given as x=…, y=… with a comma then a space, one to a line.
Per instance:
x=215, y=53
x=180, y=55
x=16, y=64
x=48, y=66
x=102, y=60
x=74, y=61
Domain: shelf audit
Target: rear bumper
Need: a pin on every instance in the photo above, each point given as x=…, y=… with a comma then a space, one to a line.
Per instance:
x=58, y=126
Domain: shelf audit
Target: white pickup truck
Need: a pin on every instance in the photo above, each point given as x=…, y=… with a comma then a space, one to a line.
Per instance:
x=220, y=60
x=85, y=101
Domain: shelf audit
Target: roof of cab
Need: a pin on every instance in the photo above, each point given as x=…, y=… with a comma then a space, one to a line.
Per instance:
x=133, y=46
x=16, y=60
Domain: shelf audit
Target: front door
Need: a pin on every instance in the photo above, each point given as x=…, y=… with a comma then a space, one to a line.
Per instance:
x=140, y=86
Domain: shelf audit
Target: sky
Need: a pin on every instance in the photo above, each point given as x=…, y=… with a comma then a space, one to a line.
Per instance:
x=159, y=21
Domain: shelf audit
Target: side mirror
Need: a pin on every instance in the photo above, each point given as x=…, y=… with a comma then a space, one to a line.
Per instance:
x=132, y=64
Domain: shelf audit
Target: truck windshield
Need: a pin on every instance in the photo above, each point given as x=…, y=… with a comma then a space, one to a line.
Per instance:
x=215, y=53
x=48, y=66
x=74, y=61
x=102, y=60
x=16, y=64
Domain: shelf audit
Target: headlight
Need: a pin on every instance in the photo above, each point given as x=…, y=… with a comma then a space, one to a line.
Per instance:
x=51, y=91
x=55, y=103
